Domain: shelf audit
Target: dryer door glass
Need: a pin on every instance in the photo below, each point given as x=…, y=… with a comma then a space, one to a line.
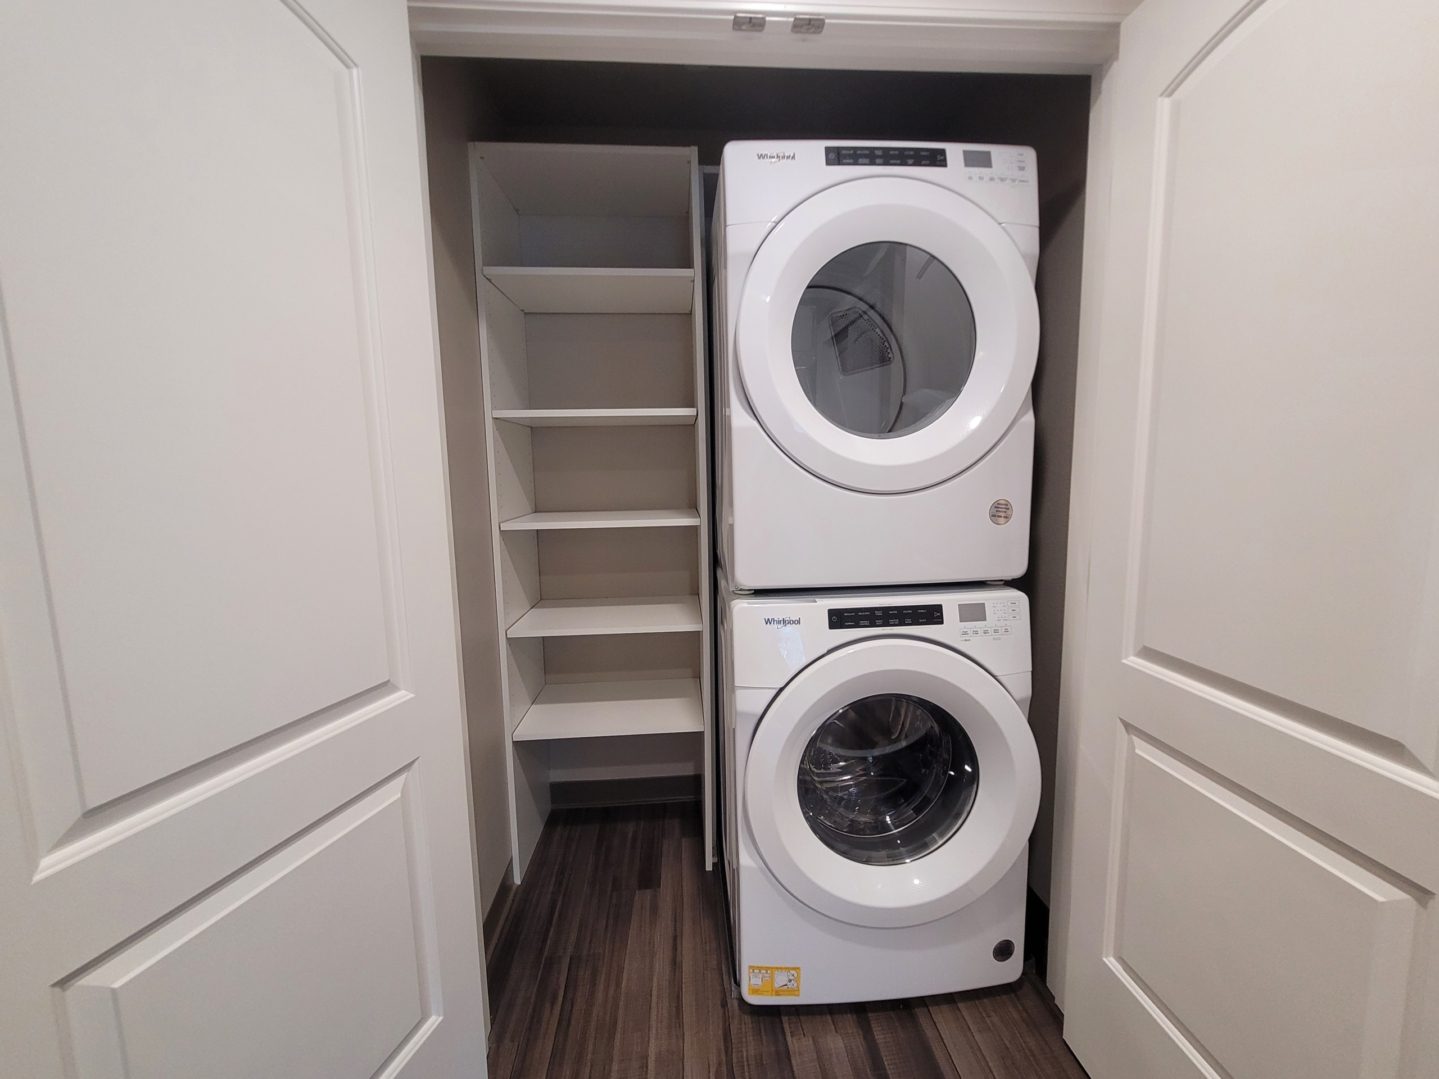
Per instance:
x=888, y=779
x=883, y=339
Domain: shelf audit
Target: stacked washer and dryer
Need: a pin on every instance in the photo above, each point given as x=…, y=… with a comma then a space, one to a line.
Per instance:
x=876, y=333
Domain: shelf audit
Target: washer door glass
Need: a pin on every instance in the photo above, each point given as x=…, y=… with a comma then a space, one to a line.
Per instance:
x=887, y=779
x=883, y=339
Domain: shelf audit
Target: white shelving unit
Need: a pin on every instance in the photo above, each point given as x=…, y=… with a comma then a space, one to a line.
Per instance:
x=592, y=315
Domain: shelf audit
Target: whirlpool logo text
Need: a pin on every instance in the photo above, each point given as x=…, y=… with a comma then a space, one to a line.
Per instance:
x=781, y=621
x=774, y=155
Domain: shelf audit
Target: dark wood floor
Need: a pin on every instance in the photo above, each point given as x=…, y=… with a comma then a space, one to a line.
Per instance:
x=612, y=960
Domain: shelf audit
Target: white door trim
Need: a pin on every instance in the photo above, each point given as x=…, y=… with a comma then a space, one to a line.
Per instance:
x=1057, y=36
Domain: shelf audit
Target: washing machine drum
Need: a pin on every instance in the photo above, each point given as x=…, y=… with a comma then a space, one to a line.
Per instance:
x=886, y=334
x=891, y=783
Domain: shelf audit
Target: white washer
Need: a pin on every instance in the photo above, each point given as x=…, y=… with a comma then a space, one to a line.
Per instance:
x=880, y=783
x=876, y=329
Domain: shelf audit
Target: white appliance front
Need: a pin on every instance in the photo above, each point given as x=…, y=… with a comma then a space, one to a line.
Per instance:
x=877, y=328
x=881, y=782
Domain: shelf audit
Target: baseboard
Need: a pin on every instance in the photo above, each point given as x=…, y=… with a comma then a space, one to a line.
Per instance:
x=499, y=910
x=584, y=793
x=1036, y=932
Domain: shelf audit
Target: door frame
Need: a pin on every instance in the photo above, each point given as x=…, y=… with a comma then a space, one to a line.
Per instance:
x=1035, y=37
x=1042, y=37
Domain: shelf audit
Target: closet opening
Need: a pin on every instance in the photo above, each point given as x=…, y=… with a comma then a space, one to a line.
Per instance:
x=640, y=369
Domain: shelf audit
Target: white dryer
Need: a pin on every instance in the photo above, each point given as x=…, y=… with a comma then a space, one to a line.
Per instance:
x=880, y=784
x=876, y=333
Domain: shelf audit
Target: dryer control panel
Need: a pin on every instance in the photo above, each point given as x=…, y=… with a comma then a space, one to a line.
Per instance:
x=932, y=157
x=999, y=165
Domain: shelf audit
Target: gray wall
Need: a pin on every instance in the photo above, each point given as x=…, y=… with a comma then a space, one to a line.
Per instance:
x=455, y=114
x=1060, y=261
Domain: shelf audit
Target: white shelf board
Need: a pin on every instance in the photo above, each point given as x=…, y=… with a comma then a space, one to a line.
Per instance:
x=609, y=617
x=595, y=290
x=599, y=417
x=613, y=710
x=552, y=519
x=591, y=180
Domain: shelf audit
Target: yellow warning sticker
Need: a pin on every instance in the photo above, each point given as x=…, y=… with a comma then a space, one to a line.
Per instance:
x=773, y=981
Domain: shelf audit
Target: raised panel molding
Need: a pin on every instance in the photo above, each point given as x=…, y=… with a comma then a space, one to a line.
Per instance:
x=1255, y=575
x=122, y=671
x=1353, y=795
x=194, y=996
x=1004, y=35
x=1269, y=911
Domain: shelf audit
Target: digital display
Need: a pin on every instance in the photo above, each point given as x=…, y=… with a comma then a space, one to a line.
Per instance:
x=978, y=159
x=971, y=612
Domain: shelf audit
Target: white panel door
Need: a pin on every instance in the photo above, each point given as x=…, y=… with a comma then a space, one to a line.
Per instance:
x=1252, y=815
x=233, y=831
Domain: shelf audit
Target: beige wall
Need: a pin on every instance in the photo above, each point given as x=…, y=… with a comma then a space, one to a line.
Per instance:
x=454, y=114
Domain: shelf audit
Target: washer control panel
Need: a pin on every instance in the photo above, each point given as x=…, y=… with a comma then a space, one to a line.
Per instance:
x=988, y=618
x=915, y=614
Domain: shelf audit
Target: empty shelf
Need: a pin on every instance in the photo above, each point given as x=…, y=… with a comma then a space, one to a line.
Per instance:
x=598, y=417
x=613, y=709
x=532, y=522
x=595, y=290
x=600, y=617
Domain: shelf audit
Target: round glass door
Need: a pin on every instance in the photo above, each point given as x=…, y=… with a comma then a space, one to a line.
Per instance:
x=888, y=779
x=892, y=781
x=883, y=339
x=886, y=334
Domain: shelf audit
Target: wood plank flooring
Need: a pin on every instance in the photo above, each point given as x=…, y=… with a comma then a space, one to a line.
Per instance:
x=612, y=961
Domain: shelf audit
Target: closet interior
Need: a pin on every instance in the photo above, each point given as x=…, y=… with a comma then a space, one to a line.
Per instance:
x=577, y=467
